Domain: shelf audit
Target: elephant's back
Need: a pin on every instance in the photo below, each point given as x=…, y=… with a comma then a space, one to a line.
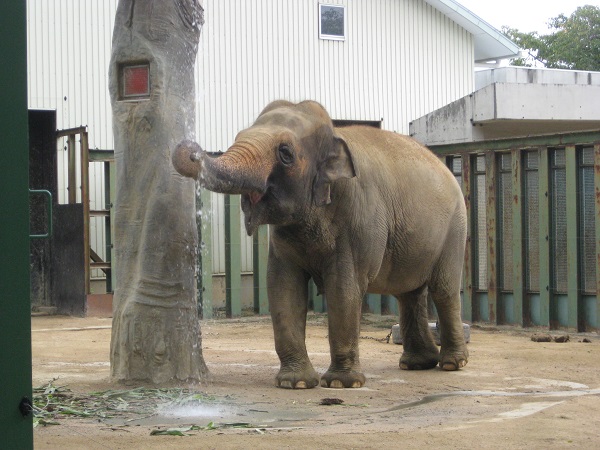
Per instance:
x=390, y=156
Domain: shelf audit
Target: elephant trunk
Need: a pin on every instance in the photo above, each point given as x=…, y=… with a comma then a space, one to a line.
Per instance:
x=240, y=170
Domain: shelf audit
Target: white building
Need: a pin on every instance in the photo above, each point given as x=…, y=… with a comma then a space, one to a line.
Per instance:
x=388, y=62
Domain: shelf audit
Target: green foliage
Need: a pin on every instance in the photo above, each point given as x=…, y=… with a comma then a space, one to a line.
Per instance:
x=574, y=43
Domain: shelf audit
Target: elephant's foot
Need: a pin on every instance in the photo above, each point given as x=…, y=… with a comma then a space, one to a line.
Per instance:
x=340, y=380
x=419, y=361
x=295, y=379
x=454, y=359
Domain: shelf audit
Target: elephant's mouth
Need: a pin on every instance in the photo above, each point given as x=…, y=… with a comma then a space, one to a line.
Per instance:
x=252, y=213
x=254, y=197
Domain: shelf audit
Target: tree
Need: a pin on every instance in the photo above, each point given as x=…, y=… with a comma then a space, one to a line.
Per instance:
x=155, y=333
x=574, y=44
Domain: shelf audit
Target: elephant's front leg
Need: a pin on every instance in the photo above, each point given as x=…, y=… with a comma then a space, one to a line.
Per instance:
x=287, y=287
x=344, y=300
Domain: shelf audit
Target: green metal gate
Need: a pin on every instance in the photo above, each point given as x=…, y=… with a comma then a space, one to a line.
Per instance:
x=534, y=229
x=15, y=324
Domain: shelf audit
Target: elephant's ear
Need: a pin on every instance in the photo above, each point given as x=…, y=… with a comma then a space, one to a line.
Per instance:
x=337, y=164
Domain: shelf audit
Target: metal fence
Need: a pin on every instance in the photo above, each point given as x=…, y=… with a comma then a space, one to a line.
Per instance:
x=533, y=240
x=533, y=243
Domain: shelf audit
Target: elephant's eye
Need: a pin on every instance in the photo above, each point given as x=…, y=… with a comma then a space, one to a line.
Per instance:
x=286, y=155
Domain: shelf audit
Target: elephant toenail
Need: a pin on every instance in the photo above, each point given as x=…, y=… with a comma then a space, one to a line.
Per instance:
x=301, y=385
x=336, y=384
x=286, y=384
x=357, y=384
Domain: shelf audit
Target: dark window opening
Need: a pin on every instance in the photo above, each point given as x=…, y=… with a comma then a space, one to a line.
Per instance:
x=332, y=22
x=347, y=123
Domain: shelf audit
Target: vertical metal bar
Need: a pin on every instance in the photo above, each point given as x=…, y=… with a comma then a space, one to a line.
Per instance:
x=108, y=224
x=574, y=320
x=492, y=260
x=15, y=306
x=468, y=312
x=318, y=301
x=85, y=200
x=72, y=169
x=233, y=266
x=260, y=257
x=597, y=223
x=113, y=193
x=521, y=307
x=544, y=235
x=205, y=267
x=374, y=302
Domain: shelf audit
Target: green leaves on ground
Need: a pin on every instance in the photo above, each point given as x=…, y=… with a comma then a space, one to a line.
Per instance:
x=184, y=431
x=51, y=403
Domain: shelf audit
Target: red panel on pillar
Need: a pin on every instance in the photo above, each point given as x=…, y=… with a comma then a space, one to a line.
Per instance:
x=136, y=81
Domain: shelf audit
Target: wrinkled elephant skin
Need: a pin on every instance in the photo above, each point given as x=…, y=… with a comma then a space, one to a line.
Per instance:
x=357, y=210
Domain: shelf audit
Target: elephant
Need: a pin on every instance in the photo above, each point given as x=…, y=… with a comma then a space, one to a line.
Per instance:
x=356, y=209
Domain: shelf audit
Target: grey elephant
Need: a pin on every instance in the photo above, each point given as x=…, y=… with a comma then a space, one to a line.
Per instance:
x=358, y=210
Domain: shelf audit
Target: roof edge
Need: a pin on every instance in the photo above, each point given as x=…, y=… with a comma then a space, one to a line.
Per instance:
x=489, y=42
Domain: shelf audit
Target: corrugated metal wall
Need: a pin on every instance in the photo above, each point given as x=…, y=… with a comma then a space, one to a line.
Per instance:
x=401, y=59
x=68, y=52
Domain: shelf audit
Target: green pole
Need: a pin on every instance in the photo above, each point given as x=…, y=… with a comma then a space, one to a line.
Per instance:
x=15, y=310
x=469, y=311
x=261, y=256
x=233, y=258
x=521, y=314
x=492, y=235
x=548, y=314
x=574, y=308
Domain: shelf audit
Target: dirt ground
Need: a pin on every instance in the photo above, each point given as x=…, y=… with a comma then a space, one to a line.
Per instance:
x=514, y=393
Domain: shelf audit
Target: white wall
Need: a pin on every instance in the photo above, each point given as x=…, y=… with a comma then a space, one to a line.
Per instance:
x=401, y=59
x=68, y=52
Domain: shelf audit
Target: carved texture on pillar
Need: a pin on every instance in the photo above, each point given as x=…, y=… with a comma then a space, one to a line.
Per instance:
x=155, y=334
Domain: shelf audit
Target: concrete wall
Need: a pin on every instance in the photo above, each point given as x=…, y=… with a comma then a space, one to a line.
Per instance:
x=400, y=60
x=527, y=105
x=524, y=75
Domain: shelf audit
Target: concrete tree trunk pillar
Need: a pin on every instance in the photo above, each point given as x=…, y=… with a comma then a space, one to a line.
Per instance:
x=155, y=334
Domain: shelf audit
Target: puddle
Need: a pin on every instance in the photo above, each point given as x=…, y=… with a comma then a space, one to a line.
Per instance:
x=435, y=397
x=202, y=414
x=541, y=383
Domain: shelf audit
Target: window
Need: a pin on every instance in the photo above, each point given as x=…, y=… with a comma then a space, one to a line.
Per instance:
x=454, y=163
x=587, y=222
x=558, y=190
x=532, y=221
x=332, y=22
x=481, y=224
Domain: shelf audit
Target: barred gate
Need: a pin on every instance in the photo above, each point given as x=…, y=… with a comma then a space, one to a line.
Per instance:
x=533, y=243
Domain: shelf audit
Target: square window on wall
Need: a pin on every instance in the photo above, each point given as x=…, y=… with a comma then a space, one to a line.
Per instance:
x=332, y=22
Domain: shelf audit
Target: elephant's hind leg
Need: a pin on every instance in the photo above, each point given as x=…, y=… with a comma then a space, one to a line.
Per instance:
x=419, y=349
x=445, y=292
x=454, y=354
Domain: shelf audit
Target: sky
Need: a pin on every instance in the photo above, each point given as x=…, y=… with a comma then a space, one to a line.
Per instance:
x=524, y=15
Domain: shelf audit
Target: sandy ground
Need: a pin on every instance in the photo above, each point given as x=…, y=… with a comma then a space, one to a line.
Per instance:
x=514, y=393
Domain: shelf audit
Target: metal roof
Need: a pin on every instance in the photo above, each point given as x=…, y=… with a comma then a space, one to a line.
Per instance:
x=490, y=43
